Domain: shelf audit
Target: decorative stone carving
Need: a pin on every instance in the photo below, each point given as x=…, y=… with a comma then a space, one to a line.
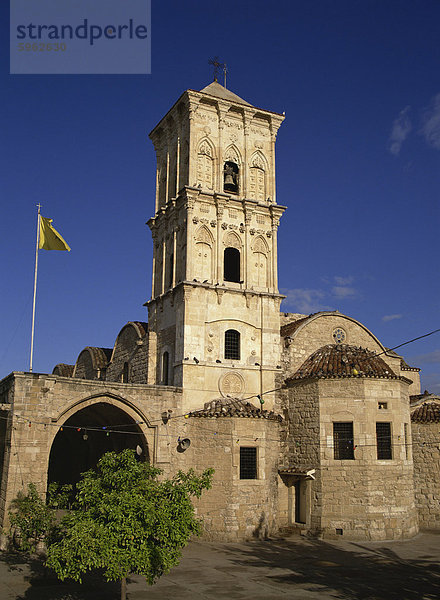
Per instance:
x=231, y=384
x=224, y=225
x=232, y=155
x=203, y=236
x=259, y=245
x=205, y=165
x=258, y=161
x=205, y=148
x=195, y=220
x=231, y=240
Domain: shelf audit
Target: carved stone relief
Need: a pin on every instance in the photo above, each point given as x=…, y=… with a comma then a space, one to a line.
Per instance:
x=231, y=384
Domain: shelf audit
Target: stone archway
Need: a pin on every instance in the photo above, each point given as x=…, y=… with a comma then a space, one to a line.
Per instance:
x=88, y=434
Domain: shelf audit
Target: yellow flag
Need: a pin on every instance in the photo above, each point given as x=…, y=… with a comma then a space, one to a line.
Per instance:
x=50, y=239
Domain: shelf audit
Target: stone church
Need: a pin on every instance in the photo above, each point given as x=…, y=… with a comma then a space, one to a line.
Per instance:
x=305, y=418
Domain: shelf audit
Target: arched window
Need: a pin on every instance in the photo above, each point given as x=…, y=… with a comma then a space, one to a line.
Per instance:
x=231, y=265
x=230, y=177
x=125, y=373
x=232, y=344
x=165, y=368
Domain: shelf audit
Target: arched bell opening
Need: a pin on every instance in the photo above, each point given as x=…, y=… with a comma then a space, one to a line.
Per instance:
x=87, y=435
x=231, y=177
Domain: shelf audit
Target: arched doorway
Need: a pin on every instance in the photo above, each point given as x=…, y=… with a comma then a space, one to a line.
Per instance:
x=87, y=435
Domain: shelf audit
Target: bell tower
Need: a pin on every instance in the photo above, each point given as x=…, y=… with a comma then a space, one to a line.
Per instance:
x=214, y=324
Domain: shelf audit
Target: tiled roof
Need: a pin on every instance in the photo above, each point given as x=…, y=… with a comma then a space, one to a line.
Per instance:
x=429, y=412
x=405, y=366
x=143, y=327
x=292, y=327
x=63, y=370
x=342, y=360
x=299, y=471
x=100, y=356
x=218, y=90
x=417, y=398
x=234, y=407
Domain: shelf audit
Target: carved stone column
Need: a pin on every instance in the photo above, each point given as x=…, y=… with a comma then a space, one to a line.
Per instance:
x=275, y=223
x=247, y=245
x=219, y=261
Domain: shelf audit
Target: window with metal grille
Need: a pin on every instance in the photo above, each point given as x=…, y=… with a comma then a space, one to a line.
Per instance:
x=232, y=344
x=248, y=463
x=231, y=271
x=343, y=446
x=383, y=440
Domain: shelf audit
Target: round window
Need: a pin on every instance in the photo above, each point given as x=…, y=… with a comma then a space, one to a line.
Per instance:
x=339, y=335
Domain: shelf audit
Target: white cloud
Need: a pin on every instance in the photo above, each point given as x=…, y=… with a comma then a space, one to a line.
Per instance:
x=308, y=300
x=344, y=291
x=431, y=123
x=343, y=280
x=400, y=131
x=429, y=358
x=387, y=318
x=305, y=300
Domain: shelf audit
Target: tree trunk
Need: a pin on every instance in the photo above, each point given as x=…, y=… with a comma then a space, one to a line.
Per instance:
x=124, y=588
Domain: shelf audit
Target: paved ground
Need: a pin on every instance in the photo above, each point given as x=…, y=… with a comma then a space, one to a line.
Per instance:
x=296, y=568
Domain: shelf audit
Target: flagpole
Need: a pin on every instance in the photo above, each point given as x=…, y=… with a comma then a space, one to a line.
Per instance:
x=35, y=288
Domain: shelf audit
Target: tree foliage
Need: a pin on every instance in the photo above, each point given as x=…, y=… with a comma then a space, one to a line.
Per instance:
x=125, y=520
x=32, y=521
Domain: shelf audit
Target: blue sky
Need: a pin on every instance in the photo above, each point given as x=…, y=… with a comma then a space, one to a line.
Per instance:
x=358, y=160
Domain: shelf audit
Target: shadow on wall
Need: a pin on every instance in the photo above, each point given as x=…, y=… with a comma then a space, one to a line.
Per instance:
x=261, y=532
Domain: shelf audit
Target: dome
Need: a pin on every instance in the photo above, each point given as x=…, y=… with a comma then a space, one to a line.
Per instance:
x=342, y=360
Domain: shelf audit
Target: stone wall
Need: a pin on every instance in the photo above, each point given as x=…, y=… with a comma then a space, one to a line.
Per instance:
x=364, y=498
x=131, y=347
x=234, y=508
x=39, y=406
x=426, y=457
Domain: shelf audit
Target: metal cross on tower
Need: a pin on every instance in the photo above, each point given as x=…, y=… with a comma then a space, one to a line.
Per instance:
x=215, y=62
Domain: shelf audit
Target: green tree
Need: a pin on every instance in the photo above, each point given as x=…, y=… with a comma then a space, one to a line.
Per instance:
x=125, y=520
x=32, y=521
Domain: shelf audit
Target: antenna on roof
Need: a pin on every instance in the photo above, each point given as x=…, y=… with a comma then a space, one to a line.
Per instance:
x=215, y=62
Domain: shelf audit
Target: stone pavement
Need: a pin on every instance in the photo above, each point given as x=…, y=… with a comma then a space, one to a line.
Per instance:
x=294, y=567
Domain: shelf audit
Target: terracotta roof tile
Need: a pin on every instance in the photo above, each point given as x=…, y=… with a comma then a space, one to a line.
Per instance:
x=63, y=370
x=143, y=327
x=100, y=356
x=340, y=360
x=234, y=407
x=429, y=412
